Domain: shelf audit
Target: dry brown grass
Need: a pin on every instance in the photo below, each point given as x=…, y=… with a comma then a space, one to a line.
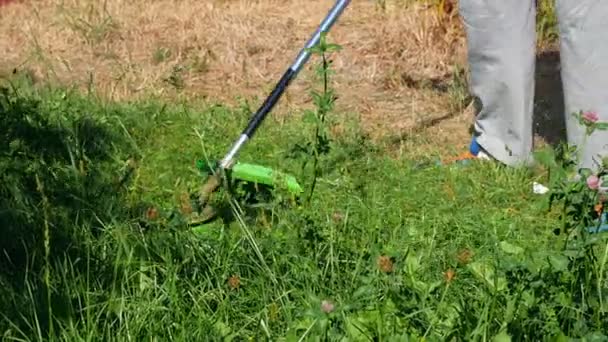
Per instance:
x=222, y=49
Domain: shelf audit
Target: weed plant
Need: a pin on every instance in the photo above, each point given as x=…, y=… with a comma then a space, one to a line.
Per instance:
x=92, y=248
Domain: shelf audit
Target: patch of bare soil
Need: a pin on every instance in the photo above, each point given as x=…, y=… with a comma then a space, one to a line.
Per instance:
x=395, y=69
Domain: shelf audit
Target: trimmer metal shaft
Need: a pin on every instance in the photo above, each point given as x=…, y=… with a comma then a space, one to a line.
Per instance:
x=283, y=83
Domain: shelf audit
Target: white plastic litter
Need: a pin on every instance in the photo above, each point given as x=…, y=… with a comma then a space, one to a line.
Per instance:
x=539, y=189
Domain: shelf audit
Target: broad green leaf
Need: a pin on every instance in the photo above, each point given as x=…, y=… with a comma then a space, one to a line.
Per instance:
x=561, y=338
x=412, y=263
x=222, y=328
x=309, y=117
x=355, y=330
x=559, y=262
x=511, y=249
x=502, y=337
x=488, y=274
x=602, y=125
x=333, y=47
x=595, y=336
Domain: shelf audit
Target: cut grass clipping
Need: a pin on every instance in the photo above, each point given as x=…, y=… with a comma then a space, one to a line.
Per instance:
x=94, y=245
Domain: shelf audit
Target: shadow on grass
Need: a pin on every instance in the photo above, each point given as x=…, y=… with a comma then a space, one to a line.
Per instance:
x=59, y=180
x=549, y=116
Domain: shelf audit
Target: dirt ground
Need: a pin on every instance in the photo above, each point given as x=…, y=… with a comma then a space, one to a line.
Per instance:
x=393, y=70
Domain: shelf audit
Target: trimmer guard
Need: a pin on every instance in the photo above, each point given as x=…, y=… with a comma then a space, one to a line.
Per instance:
x=256, y=174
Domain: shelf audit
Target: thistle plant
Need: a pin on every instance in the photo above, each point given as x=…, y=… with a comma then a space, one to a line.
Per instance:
x=318, y=144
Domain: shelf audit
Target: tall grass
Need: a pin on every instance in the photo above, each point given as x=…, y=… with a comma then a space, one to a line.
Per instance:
x=95, y=246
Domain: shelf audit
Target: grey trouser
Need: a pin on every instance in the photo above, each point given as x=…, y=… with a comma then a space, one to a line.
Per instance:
x=501, y=50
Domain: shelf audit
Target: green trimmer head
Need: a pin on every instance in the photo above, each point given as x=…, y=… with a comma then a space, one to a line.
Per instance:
x=242, y=176
x=257, y=174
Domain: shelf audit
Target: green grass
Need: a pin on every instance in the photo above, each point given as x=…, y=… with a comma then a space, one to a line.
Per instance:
x=471, y=252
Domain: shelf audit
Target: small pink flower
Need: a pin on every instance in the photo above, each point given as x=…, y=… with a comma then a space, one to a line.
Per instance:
x=327, y=306
x=591, y=116
x=593, y=182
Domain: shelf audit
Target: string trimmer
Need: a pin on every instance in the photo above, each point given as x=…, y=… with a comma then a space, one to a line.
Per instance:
x=228, y=170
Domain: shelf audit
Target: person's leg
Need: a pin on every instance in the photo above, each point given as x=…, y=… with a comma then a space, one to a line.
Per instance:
x=584, y=58
x=501, y=40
